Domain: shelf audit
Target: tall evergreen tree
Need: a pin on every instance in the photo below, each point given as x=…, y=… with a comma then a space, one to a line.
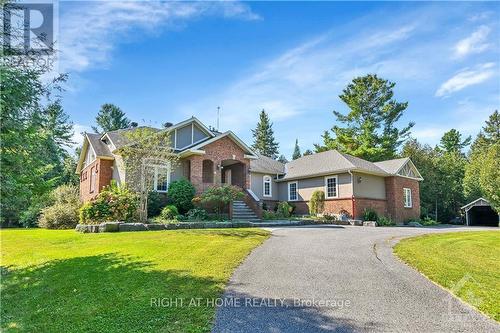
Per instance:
x=492, y=129
x=110, y=118
x=369, y=129
x=263, y=135
x=452, y=141
x=296, y=151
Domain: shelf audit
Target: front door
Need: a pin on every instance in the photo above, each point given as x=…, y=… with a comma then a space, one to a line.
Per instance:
x=228, y=177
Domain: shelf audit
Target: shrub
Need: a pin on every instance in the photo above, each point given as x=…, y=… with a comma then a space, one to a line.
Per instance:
x=156, y=202
x=269, y=215
x=385, y=221
x=63, y=212
x=197, y=214
x=317, y=202
x=181, y=192
x=170, y=212
x=427, y=221
x=330, y=217
x=59, y=216
x=220, y=196
x=114, y=203
x=284, y=209
x=370, y=215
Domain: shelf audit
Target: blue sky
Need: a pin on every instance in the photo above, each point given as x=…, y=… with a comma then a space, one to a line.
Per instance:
x=167, y=61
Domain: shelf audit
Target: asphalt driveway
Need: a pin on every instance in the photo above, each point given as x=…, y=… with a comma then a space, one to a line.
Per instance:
x=339, y=279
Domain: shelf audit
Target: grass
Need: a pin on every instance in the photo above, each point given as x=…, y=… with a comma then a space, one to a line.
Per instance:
x=60, y=281
x=466, y=263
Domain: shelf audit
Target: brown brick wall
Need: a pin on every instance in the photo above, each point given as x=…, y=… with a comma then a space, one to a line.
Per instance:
x=378, y=205
x=104, y=173
x=218, y=151
x=332, y=206
x=395, y=198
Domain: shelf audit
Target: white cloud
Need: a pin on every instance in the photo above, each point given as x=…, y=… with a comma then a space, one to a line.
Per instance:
x=475, y=43
x=77, y=135
x=90, y=31
x=466, y=78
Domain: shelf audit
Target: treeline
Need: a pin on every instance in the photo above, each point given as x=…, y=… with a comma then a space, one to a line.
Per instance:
x=36, y=142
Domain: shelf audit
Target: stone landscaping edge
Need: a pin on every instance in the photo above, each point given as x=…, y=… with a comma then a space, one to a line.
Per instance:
x=121, y=226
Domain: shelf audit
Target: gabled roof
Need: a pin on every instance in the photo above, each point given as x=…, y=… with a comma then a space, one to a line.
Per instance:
x=333, y=161
x=197, y=149
x=118, y=137
x=477, y=202
x=403, y=167
x=264, y=164
x=392, y=166
x=328, y=162
x=195, y=120
x=100, y=149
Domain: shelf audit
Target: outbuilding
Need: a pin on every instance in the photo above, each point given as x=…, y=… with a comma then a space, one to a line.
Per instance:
x=480, y=212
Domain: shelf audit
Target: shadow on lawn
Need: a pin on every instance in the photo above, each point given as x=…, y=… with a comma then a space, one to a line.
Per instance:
x=103, y=293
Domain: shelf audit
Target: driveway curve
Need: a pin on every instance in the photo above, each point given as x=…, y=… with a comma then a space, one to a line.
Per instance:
x=340, y=279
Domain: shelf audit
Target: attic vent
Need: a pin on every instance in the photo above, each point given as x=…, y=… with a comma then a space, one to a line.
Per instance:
x=167, y=125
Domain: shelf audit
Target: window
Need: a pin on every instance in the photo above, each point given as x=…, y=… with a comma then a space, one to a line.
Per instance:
x=161, y=177
x=93, y=178
x=407, y=197
x=207, y=171
x=84, y=176
x=267, y=186
x=331, y=187
x=292, y=191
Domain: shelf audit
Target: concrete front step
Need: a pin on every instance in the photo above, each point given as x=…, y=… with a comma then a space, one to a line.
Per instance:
x=241, y=212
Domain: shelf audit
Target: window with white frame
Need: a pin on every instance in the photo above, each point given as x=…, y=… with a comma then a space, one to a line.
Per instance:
x=292, y=191
x=160, y=177
x=407, y=197
x=331, y=187
x=267, y=186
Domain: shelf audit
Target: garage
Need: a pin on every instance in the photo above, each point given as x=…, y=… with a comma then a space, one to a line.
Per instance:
x=480, y=213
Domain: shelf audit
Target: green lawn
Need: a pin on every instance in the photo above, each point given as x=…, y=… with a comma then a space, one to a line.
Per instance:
x=466, y=263
x=63, y=281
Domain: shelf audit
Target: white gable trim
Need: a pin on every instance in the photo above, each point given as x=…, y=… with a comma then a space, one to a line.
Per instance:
x=414, y=168
x=473, y=203
x=233, y=136
x=191, y=121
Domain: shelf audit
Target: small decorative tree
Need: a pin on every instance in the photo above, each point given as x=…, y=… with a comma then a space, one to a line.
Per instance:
x=220, y=196
x=317, y=202
x=148, y=150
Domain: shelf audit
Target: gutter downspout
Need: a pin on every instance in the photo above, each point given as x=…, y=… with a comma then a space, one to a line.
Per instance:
x=352, y=198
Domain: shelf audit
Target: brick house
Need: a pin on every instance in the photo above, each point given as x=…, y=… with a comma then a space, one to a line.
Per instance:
x=210, y=158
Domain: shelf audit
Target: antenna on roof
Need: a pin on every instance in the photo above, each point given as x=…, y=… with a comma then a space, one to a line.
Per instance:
x=218, y=117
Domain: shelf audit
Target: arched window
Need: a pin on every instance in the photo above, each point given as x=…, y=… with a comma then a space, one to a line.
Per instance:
x=267, y=186
x=208, y=171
